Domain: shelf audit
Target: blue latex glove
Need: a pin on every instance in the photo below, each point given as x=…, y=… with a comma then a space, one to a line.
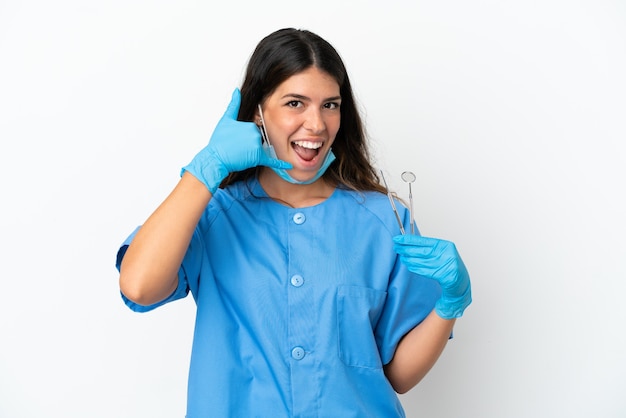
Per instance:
x=234, y=146
x=438, y=260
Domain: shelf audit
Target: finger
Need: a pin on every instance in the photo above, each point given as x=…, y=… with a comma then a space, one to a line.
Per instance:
x=275, y=163
x=232, y=111
x=409, y=251
x=436, y=252
x=416, y=241
x=422, y=268
x=411, y=239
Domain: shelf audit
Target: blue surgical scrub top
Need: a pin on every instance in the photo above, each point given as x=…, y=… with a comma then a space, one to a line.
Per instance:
x=297, y=309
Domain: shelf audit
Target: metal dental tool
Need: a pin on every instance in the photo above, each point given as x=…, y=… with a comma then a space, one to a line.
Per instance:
x=393, y=205
x=409, y=177
x=265, y=139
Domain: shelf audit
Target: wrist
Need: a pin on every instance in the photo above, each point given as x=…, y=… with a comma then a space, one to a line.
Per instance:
x=208, y=170
x=453, y=306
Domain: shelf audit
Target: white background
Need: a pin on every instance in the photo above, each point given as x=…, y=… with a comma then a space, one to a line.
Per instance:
x=511, y=113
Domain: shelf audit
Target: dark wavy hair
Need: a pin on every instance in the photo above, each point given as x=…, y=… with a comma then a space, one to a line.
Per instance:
x=289, y=51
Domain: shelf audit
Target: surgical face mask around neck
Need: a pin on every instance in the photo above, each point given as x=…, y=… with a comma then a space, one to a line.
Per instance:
x=282, y=173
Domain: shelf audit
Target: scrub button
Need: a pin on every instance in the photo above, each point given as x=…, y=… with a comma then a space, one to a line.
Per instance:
x=297, y=353
x=297, y=280
x=299, y=218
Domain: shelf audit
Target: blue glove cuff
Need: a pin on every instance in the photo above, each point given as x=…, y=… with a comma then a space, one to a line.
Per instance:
x=209, y=171
x=448, y=307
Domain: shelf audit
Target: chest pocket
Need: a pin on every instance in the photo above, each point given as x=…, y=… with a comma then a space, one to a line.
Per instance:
x=358, y=310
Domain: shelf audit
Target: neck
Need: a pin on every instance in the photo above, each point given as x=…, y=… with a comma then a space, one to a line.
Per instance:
x=294, y=195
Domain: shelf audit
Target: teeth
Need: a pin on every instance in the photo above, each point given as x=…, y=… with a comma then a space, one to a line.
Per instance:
x=308, y=144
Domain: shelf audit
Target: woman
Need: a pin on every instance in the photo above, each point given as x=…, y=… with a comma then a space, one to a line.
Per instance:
x=309, y=301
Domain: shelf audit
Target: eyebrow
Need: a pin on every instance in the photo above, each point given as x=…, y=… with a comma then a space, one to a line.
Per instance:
x=301, y=97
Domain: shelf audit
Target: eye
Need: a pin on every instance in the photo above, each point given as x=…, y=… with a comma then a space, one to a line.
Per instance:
x=332, y=105
x=294, y=103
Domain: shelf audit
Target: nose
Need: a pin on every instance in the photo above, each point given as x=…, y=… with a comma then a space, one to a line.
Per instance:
x=314, y=121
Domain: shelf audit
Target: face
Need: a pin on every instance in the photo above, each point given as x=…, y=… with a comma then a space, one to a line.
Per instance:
x=302, y=118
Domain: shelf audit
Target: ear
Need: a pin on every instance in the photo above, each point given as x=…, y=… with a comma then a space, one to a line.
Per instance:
x=258, y=119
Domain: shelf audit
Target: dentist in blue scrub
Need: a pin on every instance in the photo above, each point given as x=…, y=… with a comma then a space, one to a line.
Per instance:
x=310, y=302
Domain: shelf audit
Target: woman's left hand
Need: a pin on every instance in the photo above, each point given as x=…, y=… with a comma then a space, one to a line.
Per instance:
x=438, y=260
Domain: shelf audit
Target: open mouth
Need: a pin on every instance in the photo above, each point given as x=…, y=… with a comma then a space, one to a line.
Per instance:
x=307, y=150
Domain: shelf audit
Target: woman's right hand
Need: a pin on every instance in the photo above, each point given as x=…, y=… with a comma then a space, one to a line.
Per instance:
x=234, y=146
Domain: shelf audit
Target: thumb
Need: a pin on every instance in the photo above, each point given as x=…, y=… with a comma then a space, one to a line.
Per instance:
x=232, y=110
